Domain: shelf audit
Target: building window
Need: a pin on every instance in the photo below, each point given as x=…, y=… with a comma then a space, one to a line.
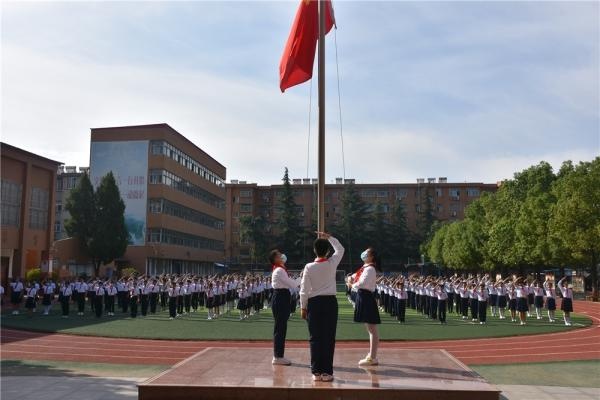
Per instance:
x=11, y=203
x=439, y=192
x=57, y=227
x=38, y=209
x=401, y=194
x=368, y=193
x=245, y=193
x=382, y=193
x=440, y=208
x=168, y=207
x=454, y=194
x=58, y=208
x=245, y=207
x=161, y=147
x=167, y=236
x=473, y=192
x=164, y=177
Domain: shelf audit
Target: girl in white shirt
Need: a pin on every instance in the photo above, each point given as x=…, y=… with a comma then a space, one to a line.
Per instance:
x=550, y=300
x=366, y=307
x=567, y=300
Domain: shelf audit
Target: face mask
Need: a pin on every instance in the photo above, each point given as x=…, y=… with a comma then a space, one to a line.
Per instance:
x=364, y=255
x=283, y=258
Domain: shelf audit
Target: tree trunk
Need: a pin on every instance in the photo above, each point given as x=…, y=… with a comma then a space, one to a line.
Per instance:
x=594, y=276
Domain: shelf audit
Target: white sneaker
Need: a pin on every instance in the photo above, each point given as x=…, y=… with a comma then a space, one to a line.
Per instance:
x=316, y=377
x=209, y=318
x=281, y=361
x=326, y=377
x=368, y=361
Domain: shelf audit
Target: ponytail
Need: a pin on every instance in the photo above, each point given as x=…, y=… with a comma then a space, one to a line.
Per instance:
x=376, y=259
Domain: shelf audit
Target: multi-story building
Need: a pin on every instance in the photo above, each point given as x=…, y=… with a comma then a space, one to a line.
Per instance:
x=68, y=177
x=27, y=205
x=448, y=201
x=174, y=196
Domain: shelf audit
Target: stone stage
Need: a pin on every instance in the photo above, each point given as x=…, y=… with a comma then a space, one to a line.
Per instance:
x=247, y=374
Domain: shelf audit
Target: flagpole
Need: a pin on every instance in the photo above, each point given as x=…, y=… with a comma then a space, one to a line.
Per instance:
x=321, y=152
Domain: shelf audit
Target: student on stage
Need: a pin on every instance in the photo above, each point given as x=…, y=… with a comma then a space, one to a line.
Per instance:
x=567, y=300
x=319, y=306
x=282, y=284
x=365, y=311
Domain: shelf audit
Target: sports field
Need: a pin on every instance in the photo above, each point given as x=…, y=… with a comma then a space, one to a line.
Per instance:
x=196, y=327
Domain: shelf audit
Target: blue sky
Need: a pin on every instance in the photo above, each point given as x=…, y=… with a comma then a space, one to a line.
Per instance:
x=473, y=91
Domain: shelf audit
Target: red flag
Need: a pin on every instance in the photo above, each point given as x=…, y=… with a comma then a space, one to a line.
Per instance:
x=298, y=57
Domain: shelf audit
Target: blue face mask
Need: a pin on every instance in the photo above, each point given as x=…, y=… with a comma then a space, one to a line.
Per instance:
x=283, y=258
x=364, y=255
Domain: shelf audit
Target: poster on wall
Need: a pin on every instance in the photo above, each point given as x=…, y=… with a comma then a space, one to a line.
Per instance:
x=128, y=161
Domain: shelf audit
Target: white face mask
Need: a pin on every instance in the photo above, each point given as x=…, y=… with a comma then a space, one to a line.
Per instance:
x=364, y=255
x=283, y=258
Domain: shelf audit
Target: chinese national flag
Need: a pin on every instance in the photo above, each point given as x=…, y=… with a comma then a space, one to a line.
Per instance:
x=298, y=57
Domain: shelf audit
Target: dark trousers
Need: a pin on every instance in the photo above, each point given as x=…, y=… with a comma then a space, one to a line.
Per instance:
x=80, y=302
x=195, y=301
x=482, y=307
x=144, y=304
x=133, y=304
x=64, y=303
x=187, y=301
x=281, y=313
x=153, y=302
x=125, y=303
x=441, y=310
x=322, y=324
x=450, y=302
x=179, y=304
x=433, y=303
x=98, y=305
x=110, y=304
x=464, y=306
x=474, y=308
x=172, y=307
x=401, y=310
x=164, y=299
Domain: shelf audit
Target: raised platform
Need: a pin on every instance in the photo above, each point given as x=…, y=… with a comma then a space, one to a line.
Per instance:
x=247, y=374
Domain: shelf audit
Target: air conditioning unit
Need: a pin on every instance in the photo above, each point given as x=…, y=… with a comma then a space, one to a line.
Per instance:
x=234, y=181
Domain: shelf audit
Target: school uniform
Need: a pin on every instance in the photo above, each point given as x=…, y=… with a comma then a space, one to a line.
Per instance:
x=501, y=292
x=464, y=301
x=401, y=296
x=566, y=304
x=111, y=293
x=187, y=298
x=538, y=297
x=281, y=306
x=16, y=292
x=550, y=298
x=91, y=294
x=98, y=297
x=482, y=299
x=365, y=309
x=317, y=296
x=80, y=296
x=154, y=293
x=134, y=293
x=66, y=293
x=522, y=295
x=442, y=299
x=144, y=298
x=30, y=294
x=493, y=292
x=173, y=292
x=450, y=294
x=194, y=288
x=48, y=294
x=473, y=304
x=512, y=298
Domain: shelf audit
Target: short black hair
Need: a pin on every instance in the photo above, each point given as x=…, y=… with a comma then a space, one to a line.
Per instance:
x=272, y=255
x=321, y=247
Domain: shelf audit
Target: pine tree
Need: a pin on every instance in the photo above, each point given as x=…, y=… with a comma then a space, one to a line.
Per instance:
x=399, y=235
x=81, y=205
x=254, y=231
x=351, y=229
x=288, y=224
x=379, y=231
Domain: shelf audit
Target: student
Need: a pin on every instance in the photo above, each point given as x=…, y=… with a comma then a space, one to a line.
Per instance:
x=550, y=300
x=16, y=295
x=402, y=296
x=134, y=292
x=521, y=289
x=65, y=298
x=195, y=289
x=464, y=300
x=79, y=292
x=442, y=299
x=493, y=292
x=501, y=292
x=111, y=293
x=154, y=293
x=172, y=292
x=48, y=296
x=450, y=294
x=512, y=301
x=187, y=296
x=98, y=297
x=567, y=300
x=482, y=299
x=145, y=290
x=365, y=280
x=282, y=284
x=538, y=298
x=30, y=294
x=473, y=302
x=210, y=299
x=319, y=306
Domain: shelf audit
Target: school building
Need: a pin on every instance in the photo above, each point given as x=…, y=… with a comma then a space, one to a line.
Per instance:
x=27, y=206
x=448, y=200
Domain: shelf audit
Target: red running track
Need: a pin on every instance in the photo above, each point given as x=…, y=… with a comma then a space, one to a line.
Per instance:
x=578, y=344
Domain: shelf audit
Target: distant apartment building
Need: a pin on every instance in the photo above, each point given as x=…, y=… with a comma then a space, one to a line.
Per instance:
x=174, y=196
x=448, y=201
x=27, y=208
x=67, y=178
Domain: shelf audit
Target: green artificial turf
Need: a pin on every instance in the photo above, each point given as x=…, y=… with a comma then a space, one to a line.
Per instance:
x=196, y=326
x=560, y=373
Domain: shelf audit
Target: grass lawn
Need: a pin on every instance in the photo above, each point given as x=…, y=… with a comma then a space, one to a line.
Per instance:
x=61, y=368
x=195, y=326
x=560, y=373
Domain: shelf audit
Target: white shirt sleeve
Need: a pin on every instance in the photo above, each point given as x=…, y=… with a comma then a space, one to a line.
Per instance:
x=338, y=251
x=305, y=289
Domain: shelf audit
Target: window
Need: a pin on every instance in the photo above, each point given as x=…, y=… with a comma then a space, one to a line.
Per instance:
x=167, y=236
x=58, y=208
x=368, y=193
x=439, y=192
x=454, y=194
x=59, y=184
x=440, y=208
x=161, y=147
x=453, y=210
x=38, y=209
x=173, y=209
x=11, y=203
x=57, y=227
x=472, y=192
x=161, y=176
x=245, y=193
x=245, y=207
x=382, y=193
x=401, y=194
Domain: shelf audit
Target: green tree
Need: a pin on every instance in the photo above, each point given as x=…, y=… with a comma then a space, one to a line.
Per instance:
x=352, y=225
x=400, y=238
x=379, y=236
x=110, y=238
x=288, y=223
x=81, y=205
x=575, y=219
x=254, y=231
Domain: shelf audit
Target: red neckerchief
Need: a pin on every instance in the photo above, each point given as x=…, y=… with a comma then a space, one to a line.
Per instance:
x=321, y=259
x=360, y=271
x=275, y=266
